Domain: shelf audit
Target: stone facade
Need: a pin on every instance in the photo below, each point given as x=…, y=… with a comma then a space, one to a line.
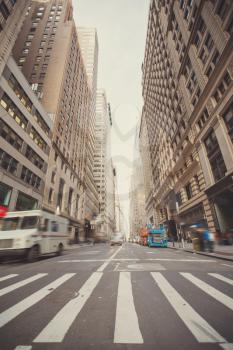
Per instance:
x=188, y=97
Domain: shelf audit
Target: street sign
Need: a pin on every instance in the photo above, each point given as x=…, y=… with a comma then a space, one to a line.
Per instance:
x=3, y=211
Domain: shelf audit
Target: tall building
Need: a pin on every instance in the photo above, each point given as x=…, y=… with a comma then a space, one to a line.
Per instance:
x=25, y=142
x=110, y=199
x=89, y=46
x=49, y=55
x=101, y=158
x=12, y=14
x=138, y=218
x=188, y=112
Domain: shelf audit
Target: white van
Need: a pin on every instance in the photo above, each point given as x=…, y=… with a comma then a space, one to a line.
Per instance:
x=32, y=233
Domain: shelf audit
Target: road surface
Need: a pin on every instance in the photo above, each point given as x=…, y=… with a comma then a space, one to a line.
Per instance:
x=130, y=298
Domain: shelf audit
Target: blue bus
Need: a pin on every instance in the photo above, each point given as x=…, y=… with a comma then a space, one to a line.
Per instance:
x=157, y=237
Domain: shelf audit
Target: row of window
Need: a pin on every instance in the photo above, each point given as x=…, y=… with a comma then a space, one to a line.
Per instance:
x=16, y=114
x=5, y=11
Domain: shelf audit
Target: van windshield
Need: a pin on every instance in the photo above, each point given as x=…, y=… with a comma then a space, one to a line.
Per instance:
x=9, y=224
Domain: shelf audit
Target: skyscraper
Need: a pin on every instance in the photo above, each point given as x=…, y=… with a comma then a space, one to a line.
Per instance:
x=12, y=14
x=187, y=91
x=89, y=46
x=101, y=159
x=49, y=55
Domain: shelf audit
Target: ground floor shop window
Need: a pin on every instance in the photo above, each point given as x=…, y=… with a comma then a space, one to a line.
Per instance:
x=5, y=194
x=25, y=202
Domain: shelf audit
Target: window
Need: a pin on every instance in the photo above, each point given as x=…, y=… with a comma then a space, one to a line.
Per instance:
x=38, y=139
x=60, y=193
x=30, y=178
x=20, y=93
x=50, y=198
x=34, y=158
x=222, y=87
x=188, y=189
x=178, y=199
x=5, y=192
x=4, y=10
x=13, y=111
x=223, y=8
x=54, y=226
x=53, y=177
x=25, y=202
x=228, y=119
x=10, y=136
x=7, y=162
x=40, y=120
x=29, y=222
x=213, y=63
x=215, y=156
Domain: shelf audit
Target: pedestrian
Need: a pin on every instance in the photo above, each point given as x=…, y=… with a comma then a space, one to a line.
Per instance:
x=211, y=242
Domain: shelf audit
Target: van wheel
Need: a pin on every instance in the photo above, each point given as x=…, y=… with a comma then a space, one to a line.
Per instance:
x=60, y=249
x=33, y=254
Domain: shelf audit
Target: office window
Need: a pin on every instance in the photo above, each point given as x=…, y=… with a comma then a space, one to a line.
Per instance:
x=7, y=162
x=10, y=136
x=13, y=111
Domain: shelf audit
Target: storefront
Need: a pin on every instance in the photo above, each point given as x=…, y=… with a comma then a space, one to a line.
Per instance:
x=188, y=218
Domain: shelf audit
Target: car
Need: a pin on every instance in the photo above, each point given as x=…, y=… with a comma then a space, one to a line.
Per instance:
x=117, y=239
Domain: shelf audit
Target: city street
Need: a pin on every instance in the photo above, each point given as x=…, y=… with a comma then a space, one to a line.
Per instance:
x=129, y=297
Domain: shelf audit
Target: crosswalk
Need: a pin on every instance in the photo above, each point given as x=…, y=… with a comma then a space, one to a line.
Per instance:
x=127, y=329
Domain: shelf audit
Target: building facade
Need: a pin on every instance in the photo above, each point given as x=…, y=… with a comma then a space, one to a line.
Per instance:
x=187, y=91
x=12, y=14
x=101, y=159
x=25, y=142
x=138, y=218
x=89, y=46
x=49, y=55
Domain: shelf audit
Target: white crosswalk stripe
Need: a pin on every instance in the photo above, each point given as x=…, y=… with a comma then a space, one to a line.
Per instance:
x=126, y=326
x=201, y=330
x=20, y=284
x=17, y=309
x=213, y=292
x=221, y=278
x=8, y=277
x=56, y=330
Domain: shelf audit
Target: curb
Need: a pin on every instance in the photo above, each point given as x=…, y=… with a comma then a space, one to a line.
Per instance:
x=205, y=254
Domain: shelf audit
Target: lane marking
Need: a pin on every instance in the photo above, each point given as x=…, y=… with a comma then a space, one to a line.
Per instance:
x=213, y=292
x=221, y=278
x=136, y=259
x=20, y=284
x=227, y=265
x=23, y=347
x=227, y=346
x=105, y=264
x=8, y=277
x=116, y=267
x=57, y=328
x=9, y=314
x=201, y=330
x=127, y=329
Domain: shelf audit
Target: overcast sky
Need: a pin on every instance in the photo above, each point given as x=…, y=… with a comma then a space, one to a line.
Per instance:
x=121, y=27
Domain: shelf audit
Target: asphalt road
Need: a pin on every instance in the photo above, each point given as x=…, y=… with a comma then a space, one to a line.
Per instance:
x=128, y=297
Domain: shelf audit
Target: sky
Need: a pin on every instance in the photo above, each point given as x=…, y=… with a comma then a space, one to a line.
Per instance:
x=121, y=26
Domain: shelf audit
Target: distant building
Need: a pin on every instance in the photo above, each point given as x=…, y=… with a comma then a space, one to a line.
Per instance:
x=101, y=159
x=49, y=55
x=138, y=217
x=88, y=41
x=25, y=142
x=188, y=113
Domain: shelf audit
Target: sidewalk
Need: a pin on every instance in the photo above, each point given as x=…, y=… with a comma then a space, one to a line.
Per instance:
x=224, y=252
